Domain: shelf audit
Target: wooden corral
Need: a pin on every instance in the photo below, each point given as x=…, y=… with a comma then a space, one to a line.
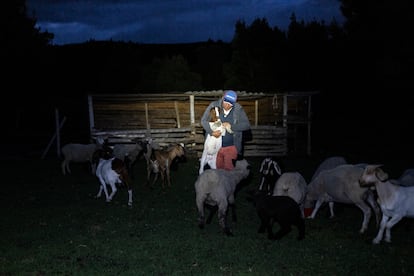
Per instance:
x=175, y=118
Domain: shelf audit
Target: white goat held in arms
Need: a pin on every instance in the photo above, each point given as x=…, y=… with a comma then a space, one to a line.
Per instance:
x=112, y=172
x=212, y=144
x=216, y=187
x=395, y=201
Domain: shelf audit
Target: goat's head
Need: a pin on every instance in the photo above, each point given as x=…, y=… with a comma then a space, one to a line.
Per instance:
x=270, y=172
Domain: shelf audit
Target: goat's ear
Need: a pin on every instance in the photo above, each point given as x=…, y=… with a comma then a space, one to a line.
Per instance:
x=381, y=175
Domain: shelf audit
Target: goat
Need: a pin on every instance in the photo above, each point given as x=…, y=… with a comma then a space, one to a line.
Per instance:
x=395, y=201
x=270, y=172
x=216, y=187
x=292, y=184
x=129, y=153
x=281, y=209
x=111, y=172
x=341, y=184
x=212, y=144
x=79, y=153
x=160, y=162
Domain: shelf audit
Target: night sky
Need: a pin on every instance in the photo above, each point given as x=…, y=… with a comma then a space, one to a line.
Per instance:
x=172, y=21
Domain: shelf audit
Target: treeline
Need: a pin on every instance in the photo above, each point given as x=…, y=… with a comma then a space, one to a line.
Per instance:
x=369, y=55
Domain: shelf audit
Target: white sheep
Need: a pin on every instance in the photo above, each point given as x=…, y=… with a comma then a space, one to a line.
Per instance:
x=328, y=164
x=79, y=153
x=216, y=187
x=341, y=184
x=292, y=184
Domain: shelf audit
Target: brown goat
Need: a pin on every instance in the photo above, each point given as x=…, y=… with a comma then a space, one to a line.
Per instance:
x=160, y=163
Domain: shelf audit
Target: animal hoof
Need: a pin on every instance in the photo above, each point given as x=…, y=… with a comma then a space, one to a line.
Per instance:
x=228, y=232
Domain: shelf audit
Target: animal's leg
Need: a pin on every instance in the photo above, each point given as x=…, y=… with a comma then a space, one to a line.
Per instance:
x=148, y=173
x=317, y=206
x=163, y=179
x=130, y=197
x=389, y=225
x=103, y=186
x=154, y=180
x=213, y=211
x=63, y=167
x=222, y=217
x=367, y=215
x=67, y=167
x=113, y=192
x=263, y=224
x=371, y=200
x=168, y=174
x=331, y=209
x=203, y=161
x=233, y=212
x=93, y=168
x=200, y=208
x=285, y=228
x=383, y=223
x=99, y=191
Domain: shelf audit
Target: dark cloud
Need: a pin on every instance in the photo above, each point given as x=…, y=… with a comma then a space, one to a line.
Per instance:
x=168, y=21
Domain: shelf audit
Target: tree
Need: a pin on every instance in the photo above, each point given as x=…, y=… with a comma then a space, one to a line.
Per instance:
x=24, y=47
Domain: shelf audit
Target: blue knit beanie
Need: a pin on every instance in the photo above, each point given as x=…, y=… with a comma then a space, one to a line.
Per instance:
x=230, y=96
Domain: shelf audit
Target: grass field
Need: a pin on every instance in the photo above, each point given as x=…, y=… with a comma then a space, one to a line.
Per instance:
x=52, y=225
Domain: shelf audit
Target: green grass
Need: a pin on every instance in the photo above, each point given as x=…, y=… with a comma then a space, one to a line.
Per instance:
x=52, y=225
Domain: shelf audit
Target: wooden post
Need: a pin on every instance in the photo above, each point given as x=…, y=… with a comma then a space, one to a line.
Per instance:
x=256, y=112
x=177, y=114
x=285, y=110
x=192, y=115
x=91, y=117
x=53, y=139
x=146, y=116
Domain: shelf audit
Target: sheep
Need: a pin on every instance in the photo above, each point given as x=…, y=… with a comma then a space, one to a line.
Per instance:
x=396, y=201
x=270, y=172
x=294, y=185
x=213, y=144
x=341, y=184
x=160, y=163
x=79, y=153
x=111, y=172
x=281, y=209
x=327, y=164
x=216, y=187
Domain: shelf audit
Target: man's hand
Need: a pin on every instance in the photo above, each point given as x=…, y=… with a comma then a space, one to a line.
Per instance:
x=227, y=125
